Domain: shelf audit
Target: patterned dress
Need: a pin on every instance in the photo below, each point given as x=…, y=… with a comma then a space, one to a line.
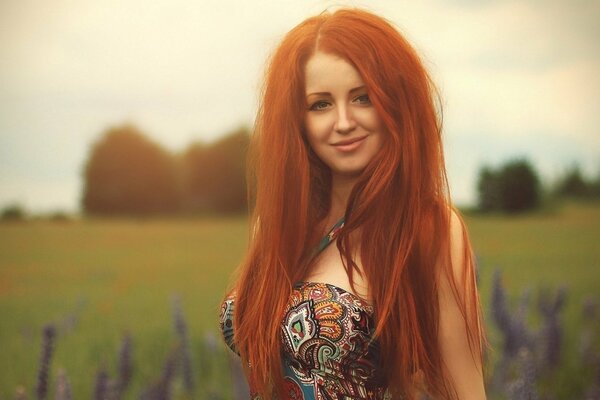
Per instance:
x=328, y=351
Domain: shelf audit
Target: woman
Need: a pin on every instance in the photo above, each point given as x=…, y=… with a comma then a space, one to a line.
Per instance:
x=384, y=302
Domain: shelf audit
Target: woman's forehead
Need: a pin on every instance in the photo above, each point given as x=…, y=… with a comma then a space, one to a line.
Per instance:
x=325, y=71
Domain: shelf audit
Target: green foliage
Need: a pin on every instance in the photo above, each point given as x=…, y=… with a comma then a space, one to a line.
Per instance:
x=128, y=174
x=488, y=189
x=514, y=187
x=574, y=185
x=13, y=212
x=98, y=279
x=215, y=176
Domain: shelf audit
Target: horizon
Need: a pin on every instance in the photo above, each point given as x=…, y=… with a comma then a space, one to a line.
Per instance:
x=517, y=79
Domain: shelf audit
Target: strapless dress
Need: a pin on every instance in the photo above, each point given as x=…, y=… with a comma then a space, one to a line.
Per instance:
x=328, y=350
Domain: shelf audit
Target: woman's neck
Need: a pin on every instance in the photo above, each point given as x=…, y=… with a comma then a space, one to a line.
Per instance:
x=341, y=187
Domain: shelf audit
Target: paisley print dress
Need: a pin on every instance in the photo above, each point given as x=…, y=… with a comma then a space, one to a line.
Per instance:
x=328, y=351
x=327, y=346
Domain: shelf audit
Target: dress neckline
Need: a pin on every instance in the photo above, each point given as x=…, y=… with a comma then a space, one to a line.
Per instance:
x=362, y=301
x=326, y=241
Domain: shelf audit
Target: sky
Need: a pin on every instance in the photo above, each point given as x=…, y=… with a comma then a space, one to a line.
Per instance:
x=518, y=78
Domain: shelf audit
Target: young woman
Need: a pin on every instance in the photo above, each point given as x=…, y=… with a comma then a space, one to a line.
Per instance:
x=359, y=279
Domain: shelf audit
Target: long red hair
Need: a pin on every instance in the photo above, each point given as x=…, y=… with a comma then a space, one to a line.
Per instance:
x=399, y=208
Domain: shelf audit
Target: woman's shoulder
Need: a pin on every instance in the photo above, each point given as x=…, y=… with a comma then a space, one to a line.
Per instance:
x=460, y=249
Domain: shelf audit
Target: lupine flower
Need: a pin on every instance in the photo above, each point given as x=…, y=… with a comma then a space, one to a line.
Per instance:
x=184, y=347
x=101, y=388
x=499, y=307
x=523, y=388
x=593, y=390
x=161, y=390
x=513, y=328
x=49, y=334
x=552, y=331
x=587, y=349
x=590, y=308
x=125, y=366
x=518, y=323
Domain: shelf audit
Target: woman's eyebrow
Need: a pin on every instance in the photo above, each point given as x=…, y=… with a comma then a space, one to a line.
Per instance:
x=358, y=89
x=318, y=94
x=353, y=90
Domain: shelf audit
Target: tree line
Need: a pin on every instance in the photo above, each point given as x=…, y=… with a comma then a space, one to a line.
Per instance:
x=515, y=186
x=128, y=174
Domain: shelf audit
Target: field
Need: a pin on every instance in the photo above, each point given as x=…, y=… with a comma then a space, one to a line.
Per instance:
x=98, y=279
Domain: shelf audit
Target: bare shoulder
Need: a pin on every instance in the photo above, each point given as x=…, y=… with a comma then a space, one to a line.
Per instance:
x=459, y=246
x=453, y=263
x=458, y=315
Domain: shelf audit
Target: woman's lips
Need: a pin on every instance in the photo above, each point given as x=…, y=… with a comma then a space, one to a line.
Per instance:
x=349, y=144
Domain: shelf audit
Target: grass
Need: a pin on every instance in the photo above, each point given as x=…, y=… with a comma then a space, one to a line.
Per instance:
x=541, y=251
x=121, y=274
x=100, y=278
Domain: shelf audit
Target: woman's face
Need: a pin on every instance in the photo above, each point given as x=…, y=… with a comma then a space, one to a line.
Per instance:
x=342, y=126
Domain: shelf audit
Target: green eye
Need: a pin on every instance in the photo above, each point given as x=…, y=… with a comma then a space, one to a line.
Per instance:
x=363, y=99
x=319, y=105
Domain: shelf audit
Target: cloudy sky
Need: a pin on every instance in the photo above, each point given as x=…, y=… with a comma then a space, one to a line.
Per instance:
x=518, y=78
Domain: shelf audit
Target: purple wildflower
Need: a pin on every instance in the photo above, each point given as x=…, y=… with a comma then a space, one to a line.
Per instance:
x=587, y=345
x=552, y=331
x=161, y=390
x=49, y=333
x=125, y=366
x=185, y=356
x=101, y=388
x=513, y=328
x=524, y=387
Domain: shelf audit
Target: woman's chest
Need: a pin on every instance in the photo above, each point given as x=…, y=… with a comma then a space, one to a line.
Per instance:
x=329, y=267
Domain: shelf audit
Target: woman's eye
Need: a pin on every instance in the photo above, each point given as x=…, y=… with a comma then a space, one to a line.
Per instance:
x=319, y=105
x=363, y=99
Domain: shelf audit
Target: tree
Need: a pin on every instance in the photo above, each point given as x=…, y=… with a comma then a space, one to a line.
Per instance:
x=215, y=175
x=13, y=212
x=573, y=184
x=488, y=190
x=519, y=186
x=513, y=187
x=127, y=173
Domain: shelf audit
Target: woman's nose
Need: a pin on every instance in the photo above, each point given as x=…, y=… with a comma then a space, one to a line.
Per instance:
x=345, y=122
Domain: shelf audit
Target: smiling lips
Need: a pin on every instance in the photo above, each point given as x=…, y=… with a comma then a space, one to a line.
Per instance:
x=349, y=144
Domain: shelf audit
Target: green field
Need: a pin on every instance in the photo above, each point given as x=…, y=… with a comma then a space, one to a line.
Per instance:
x=97, y=279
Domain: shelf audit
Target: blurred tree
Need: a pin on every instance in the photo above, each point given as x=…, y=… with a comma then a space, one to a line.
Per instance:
x=13, y=212
x=595, y=188
x=215, y=176
x=128, y=174
x=488, y=189
x=512, y=188
x=572, y=184
x=519, y=186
